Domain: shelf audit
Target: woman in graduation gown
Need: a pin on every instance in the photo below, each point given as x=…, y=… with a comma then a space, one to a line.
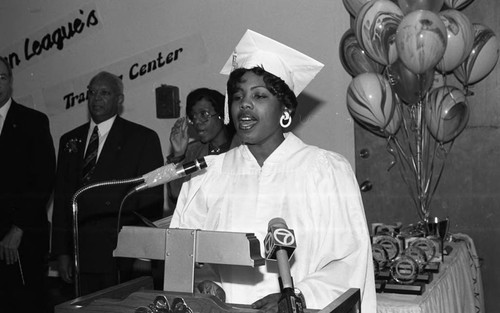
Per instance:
x=275, y=174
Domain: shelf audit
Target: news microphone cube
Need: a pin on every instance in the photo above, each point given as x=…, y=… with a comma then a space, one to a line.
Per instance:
x=279, y=237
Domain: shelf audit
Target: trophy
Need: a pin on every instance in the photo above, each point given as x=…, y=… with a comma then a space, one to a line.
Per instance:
x=438, y=228
x=432, y=247
x=392, y=245
x=405, y=272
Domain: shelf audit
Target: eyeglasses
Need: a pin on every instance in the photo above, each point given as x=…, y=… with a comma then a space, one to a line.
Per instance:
x=202, y=116
x=103, y=93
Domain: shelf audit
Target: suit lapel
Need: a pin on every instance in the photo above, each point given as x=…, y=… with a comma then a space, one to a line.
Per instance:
x=10, y=123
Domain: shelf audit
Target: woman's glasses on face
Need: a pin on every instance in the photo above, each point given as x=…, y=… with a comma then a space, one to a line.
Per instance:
x=202, y=116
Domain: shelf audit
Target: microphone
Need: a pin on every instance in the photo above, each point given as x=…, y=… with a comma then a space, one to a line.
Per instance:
x=279, y=245
x=170, y=172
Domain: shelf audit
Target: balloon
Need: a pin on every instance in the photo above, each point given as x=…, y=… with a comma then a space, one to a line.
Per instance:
x=353, y=58
x=408, y=6
x=421, y=40
x=447, y=113
x=353, y=6
x=376, y=25
x=371, y=101
x=460, y=39
x=395, y=123
x=457, y=4
x=408, y=86
x=482, y=58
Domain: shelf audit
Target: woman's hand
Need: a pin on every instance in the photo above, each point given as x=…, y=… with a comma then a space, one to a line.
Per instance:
x=179, y=136
x=9, y=245
x=211, y=288
x=268, y=304
x=65, y=268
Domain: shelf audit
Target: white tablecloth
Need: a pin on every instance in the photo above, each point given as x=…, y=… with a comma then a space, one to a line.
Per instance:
x=457, y=288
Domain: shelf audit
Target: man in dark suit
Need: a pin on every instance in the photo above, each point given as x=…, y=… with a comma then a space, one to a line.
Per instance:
x=125, y=150
x=28, y=164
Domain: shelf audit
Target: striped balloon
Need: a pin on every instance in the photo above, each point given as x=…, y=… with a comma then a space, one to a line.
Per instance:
x=421, y=40
x=460, y=39
x=353, y=58
x=353, y=6
x=482, y=59
x=408, y=6
x=371, y=101
x=376, y=25
x=446, y=113
x=397, y=118
x=457, y=4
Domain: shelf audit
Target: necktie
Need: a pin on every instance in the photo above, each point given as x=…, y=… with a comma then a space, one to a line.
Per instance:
x=91, y=155
x=1, y=123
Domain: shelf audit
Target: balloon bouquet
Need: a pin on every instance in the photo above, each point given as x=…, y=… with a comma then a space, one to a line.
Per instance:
x=401, y=55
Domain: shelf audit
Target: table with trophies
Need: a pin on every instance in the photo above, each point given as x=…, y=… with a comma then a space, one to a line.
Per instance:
x=423, y=274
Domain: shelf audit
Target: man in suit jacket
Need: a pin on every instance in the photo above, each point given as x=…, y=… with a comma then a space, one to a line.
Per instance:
x=126, y=150
x=28, y=163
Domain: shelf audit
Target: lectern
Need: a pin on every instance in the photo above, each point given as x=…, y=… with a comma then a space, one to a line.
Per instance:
x=182, y=249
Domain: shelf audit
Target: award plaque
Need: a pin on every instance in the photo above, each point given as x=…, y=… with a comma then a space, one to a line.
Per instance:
x=432, y=248
x=380, y=256
x=392, y=245
x=384, y=229
x=376, y=267
x=404, y=270
x=426, y=244
x=417, y=254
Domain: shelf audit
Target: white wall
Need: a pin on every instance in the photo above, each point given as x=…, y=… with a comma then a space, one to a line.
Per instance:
x=130, y=27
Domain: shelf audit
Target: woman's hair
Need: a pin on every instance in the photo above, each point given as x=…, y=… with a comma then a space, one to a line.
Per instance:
x=213, y=96
x=274, y=84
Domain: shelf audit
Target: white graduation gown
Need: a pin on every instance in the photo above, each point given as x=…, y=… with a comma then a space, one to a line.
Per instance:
x=315, y=191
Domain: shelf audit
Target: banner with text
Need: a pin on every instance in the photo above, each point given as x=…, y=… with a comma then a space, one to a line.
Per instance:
x=54, y=37
x=154, y=63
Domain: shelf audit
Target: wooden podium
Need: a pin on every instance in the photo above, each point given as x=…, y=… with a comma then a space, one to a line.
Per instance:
x=182, y=249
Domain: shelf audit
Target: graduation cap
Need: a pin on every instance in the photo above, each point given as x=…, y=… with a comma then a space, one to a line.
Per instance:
x=296, y=69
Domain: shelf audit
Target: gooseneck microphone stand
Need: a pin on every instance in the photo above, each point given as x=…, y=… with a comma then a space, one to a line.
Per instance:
x=154, y=178
x=74, y=204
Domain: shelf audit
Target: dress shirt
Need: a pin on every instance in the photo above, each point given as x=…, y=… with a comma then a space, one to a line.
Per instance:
x=3, y=113
x=104, y=128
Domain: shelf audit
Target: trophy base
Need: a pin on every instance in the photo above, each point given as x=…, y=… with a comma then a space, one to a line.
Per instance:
x=416, y=288
x=432, y=267
x=379, y=285
x=424, y=278
x=383, y=275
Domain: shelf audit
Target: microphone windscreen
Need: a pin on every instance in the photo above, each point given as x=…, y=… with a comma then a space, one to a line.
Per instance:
x=277, y=222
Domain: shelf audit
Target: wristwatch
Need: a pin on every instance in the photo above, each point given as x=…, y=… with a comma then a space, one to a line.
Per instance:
x=299, y=294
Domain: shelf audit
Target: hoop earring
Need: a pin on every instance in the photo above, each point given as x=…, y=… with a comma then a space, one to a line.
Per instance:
x=285, y=119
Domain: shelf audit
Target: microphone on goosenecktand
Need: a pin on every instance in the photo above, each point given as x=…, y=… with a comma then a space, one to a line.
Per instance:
x=170, y=172
x=279, y=245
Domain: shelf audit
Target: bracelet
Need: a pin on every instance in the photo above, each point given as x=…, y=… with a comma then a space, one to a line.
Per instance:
x=177, y=159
